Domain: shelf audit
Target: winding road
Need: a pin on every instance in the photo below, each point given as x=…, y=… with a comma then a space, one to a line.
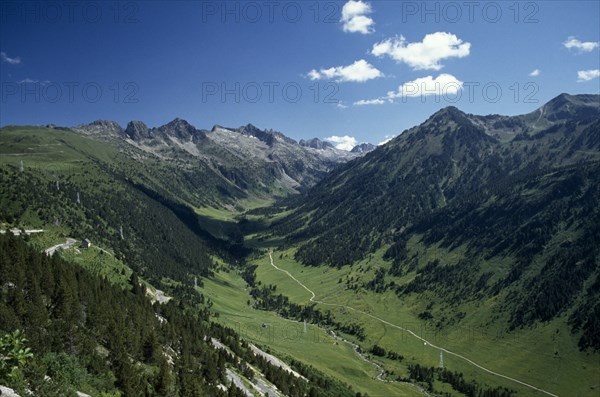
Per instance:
x=66, y=245
x=17, y=232
x=48, y=251
x=489, y=371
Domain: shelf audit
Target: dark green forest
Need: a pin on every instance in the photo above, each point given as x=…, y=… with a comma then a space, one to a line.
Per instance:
x=158, y=243
x=88, y=335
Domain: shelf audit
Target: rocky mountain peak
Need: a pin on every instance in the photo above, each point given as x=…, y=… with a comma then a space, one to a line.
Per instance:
x=217, y=127
x=251, y=130
x=137, y=130
x=181, y=129
x=449, y=113
x=363, y=148
x=315, y=143
x=106, y=124
x=103, y=127
x=447, y=120
x=566, y=106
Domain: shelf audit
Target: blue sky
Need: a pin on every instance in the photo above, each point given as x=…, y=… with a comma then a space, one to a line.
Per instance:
x=362, y=69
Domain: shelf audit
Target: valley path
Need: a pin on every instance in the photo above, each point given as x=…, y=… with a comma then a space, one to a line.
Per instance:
x=312, y=299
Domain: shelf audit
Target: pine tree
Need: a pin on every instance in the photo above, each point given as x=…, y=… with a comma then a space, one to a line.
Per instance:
x=163, y=382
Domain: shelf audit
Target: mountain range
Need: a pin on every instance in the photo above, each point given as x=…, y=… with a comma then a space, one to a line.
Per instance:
x=254, y=160
x=495, y=188
x=462, y=221
x=452, y=156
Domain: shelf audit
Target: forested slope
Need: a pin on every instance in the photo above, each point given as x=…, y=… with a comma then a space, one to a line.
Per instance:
x=517, y=196
x=88, y=335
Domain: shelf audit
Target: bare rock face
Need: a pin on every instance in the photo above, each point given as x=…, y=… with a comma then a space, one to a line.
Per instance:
x=363, y=148
x=5, y=391
x=100, y=127
x=315, y=143
x=137, y=130
x=180, y=129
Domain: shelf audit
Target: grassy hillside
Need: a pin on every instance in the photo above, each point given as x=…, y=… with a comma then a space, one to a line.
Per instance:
x=485, y=225
x=229, y=295
x=545, y=355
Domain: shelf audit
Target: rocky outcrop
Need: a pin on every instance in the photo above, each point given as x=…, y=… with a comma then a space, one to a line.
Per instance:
x=363, y=148
x=180, y=129
x=137, y=130
x=315, y=143
x=7, y=392
x=100, y=127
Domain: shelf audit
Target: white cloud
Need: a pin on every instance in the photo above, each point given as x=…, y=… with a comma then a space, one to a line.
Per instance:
x=587, y=75
x=340, y=105
x=32, y=81
x=345, y=142
x=586, y=46
x=316, y=75
x=444, y=84
x=386, y=140
x=12, y=61
x=426, y=54
x=364, y=102
x=535, y=73
x=360, y=71
x=355, y=19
